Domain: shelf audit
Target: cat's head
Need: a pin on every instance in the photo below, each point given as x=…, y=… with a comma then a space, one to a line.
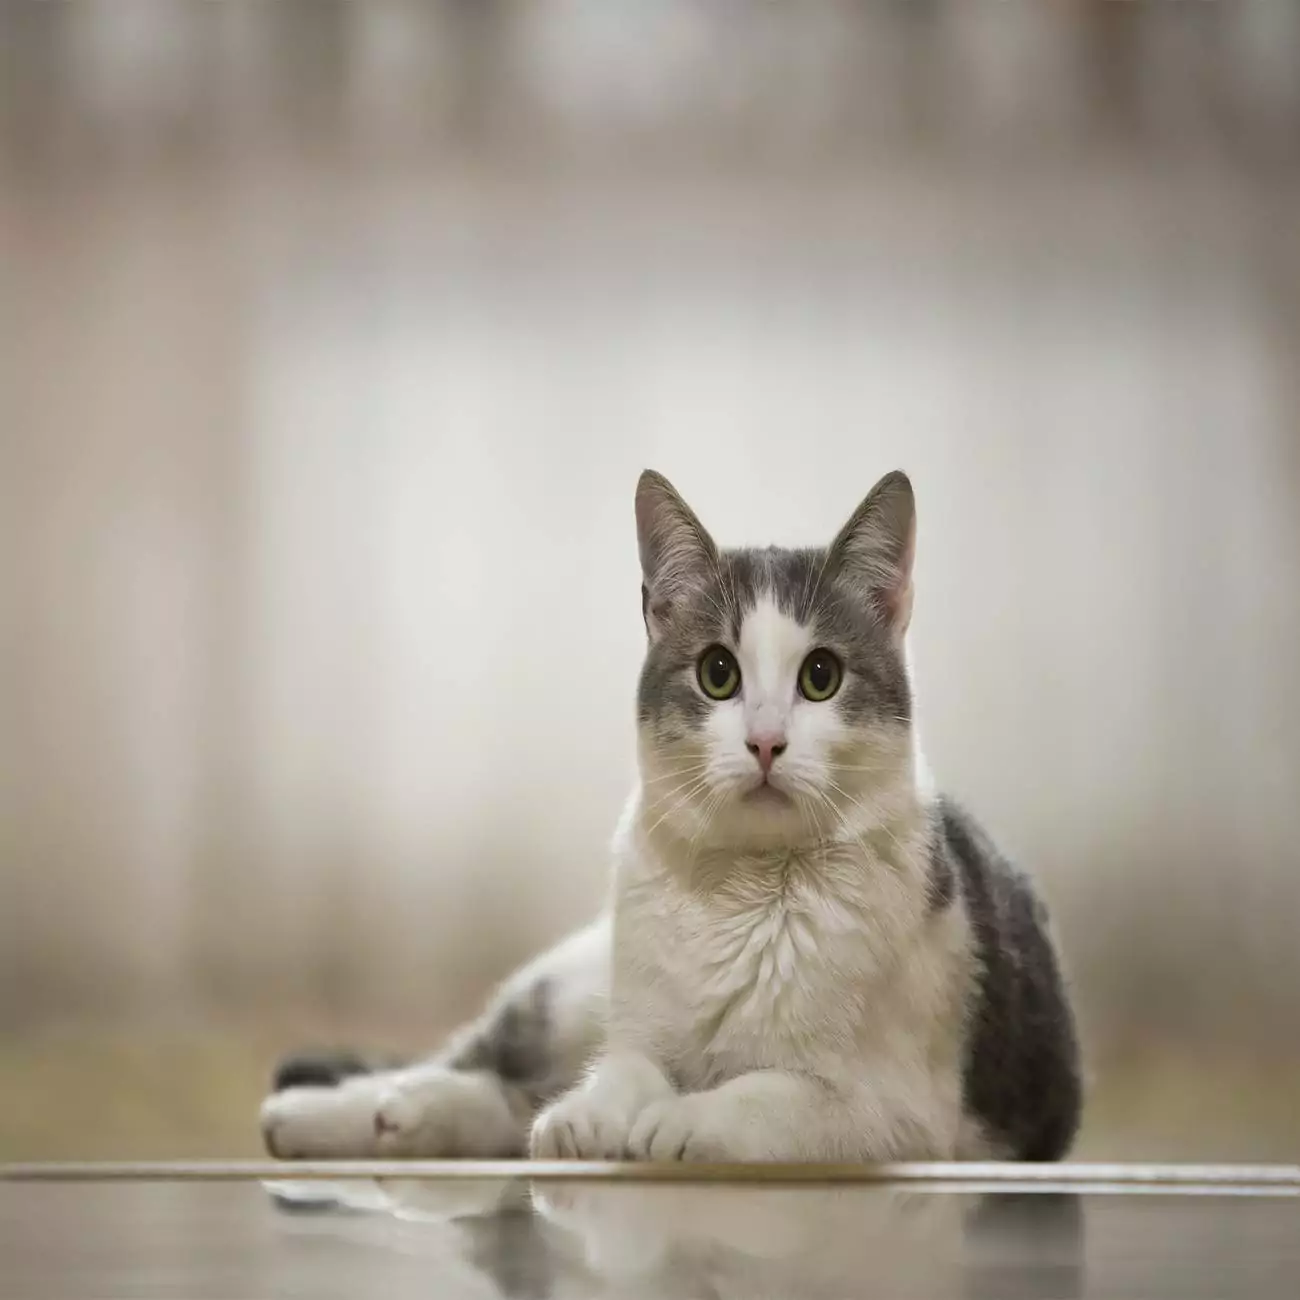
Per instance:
x=774, y=705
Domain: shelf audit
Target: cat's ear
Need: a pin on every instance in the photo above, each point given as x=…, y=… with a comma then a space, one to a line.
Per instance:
x=877, y=548
x=676, y=551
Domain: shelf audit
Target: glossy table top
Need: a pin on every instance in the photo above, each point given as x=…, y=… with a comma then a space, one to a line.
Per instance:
x=487, y=1231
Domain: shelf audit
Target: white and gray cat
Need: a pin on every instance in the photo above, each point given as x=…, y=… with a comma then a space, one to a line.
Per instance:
x=809, y=955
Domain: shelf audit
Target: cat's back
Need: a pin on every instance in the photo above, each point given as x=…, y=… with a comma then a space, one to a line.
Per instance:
x=1021, y=1072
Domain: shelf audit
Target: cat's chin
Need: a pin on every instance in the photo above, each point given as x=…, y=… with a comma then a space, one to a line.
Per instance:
x=761, y=817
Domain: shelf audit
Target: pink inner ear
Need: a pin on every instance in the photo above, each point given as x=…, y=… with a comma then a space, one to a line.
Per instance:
x=898, y=603
x=898, y=598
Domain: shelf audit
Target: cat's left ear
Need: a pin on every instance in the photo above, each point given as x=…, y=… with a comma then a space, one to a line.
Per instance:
x=877, y=548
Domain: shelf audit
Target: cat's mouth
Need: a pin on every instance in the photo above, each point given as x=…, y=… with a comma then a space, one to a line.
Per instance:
x=765, y=794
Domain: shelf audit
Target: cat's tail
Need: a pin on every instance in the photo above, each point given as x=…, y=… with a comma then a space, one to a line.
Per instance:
x=325, y=1067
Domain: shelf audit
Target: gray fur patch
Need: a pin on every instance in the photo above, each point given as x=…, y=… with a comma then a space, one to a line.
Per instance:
x=513, y=1042
x=1021, y=1077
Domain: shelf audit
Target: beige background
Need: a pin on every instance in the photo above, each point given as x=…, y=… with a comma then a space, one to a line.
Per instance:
x=332, y=338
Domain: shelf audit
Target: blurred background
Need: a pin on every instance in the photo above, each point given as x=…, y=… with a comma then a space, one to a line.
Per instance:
x=332, y=339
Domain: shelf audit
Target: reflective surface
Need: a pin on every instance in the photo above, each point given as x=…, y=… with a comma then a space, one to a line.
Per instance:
x=487, y=1238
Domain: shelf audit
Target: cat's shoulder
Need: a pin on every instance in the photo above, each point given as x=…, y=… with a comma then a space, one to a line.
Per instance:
x=967, y=864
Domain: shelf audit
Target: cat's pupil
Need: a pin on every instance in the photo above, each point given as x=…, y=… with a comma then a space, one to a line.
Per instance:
x=719, y=672
x=820, y=675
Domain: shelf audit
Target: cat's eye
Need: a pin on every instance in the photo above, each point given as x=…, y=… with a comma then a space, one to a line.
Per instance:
x=820, y=676
x=719, y=673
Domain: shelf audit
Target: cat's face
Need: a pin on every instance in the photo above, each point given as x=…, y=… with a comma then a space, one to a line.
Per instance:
x=774, y=704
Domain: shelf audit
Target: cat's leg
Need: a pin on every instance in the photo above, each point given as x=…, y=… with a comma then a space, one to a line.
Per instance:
x=628, y=1109
x=772, y=1115
x=476, y=1098
x=427, y=1110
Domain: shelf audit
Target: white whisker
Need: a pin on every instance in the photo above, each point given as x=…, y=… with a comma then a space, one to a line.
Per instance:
x=696, y=787
x=701, y=766
x=668, y=794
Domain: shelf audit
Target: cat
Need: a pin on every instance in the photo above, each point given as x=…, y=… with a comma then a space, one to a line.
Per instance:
x=810, y=954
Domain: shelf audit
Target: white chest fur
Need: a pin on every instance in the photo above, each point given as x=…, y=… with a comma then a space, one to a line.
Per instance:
x=816, y=961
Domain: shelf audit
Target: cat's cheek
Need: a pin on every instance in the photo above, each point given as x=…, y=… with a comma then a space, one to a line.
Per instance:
x=818, y=731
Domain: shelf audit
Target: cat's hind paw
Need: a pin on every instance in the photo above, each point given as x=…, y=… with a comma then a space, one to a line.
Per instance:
x=436, y=1113
x=315, y=1123
x=423, y=1112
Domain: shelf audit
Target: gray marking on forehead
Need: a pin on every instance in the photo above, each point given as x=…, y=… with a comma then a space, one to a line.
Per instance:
x=789, y=577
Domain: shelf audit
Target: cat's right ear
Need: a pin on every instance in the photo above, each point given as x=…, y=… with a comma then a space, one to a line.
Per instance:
x=677, y=552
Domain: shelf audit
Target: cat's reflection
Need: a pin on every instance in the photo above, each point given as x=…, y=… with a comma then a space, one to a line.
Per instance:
x=1025, y=1245
x=750, y=1241
x=717, y=1241
x=475, y=1238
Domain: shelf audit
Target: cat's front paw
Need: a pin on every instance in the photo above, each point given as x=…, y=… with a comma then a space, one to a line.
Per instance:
x=581, y=1126
x=684, y=1128
x=593, y=1121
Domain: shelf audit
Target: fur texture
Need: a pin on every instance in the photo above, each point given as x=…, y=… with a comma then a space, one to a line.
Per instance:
x=809, y=955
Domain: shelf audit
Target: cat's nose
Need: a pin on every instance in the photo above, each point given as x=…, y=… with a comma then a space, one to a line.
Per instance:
x=767, y=749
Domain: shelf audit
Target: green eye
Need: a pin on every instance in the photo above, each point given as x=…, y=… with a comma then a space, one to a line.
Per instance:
x=719, y=673
x=820, y=676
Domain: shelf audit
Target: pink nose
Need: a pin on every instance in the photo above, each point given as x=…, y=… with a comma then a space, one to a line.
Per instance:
x=767, y=749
